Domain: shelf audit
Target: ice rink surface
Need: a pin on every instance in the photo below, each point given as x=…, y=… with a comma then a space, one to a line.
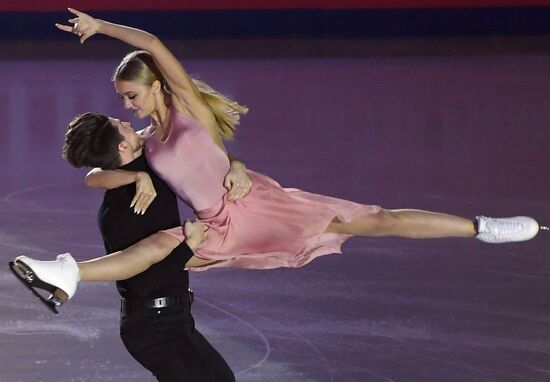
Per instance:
x=460, y=133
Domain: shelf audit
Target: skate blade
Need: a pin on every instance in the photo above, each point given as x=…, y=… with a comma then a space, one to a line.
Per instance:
x=24, y=274
x=544, y=228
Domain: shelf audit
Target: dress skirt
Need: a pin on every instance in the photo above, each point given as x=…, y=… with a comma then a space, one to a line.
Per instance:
x=273, y=227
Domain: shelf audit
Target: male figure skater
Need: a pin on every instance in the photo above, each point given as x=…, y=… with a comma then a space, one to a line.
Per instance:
x=156, y=324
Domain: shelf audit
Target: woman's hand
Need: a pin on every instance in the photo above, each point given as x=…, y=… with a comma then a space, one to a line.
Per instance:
x=84, y=26
x=237, y=182
x=195, y=233
x=145, y=193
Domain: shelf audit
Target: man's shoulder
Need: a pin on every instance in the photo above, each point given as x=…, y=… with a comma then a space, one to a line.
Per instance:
x=138, y=164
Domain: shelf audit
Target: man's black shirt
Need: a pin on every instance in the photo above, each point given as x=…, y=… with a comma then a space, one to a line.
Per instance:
x=121, y=227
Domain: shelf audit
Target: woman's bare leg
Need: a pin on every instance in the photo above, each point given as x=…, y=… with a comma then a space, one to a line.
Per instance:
x=130, y=261
x=409, y=223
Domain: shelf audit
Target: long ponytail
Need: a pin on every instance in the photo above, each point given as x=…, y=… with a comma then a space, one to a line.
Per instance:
x=227, y=112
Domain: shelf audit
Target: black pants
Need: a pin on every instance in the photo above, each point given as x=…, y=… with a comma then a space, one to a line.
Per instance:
x=168, y=345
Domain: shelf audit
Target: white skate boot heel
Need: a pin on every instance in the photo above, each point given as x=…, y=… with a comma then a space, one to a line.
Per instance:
x=59, y=277
x=506, y=230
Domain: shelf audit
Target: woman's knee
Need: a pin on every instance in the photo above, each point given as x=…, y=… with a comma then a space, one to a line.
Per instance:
x=375, y=224
x=382, y=222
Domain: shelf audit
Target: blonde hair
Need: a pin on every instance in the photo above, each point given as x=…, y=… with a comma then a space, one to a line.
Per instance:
x=139, y=66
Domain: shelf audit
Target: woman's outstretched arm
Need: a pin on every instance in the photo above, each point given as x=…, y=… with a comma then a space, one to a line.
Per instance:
x=179, y=82
x=109, y=179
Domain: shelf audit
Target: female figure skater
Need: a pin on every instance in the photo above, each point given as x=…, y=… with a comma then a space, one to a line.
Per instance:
x=269, y=227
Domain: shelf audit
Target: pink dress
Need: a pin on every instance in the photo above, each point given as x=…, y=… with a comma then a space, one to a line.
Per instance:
x=270, y=227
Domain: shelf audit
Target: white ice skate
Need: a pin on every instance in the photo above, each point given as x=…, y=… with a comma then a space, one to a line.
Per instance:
x=506, y=230
x=61, y=274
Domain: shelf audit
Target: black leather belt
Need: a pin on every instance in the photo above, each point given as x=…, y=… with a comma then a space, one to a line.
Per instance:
x=131, y=305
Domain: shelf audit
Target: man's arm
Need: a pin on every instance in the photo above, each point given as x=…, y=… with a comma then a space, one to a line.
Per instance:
x=144, y=283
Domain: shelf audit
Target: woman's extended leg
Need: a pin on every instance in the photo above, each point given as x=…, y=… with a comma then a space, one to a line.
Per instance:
x=136, y=259
x=420, y=224
x=130, y=261
x=61, y=276
x=64, y=273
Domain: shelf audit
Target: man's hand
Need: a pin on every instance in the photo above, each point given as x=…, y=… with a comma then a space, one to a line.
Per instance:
x=195, y=233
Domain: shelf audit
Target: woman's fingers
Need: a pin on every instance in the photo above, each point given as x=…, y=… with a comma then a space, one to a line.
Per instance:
x=66, y=28
x=80, y=27
x=75, y=12
x=142, y=202
x=84, y=37
x=148, y=203
x=74, y=29
x=134, y=200
x=139, y=200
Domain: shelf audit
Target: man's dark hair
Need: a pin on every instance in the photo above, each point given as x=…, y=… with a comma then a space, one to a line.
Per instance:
x=92, y=141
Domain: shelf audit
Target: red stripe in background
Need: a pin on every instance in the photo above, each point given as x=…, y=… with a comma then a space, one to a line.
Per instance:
x=166, y=5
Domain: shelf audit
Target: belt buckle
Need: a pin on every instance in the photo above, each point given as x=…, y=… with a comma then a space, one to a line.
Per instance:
x=158, y=303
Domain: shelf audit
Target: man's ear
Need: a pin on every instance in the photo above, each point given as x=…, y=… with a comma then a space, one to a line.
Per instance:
x=122, y=146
